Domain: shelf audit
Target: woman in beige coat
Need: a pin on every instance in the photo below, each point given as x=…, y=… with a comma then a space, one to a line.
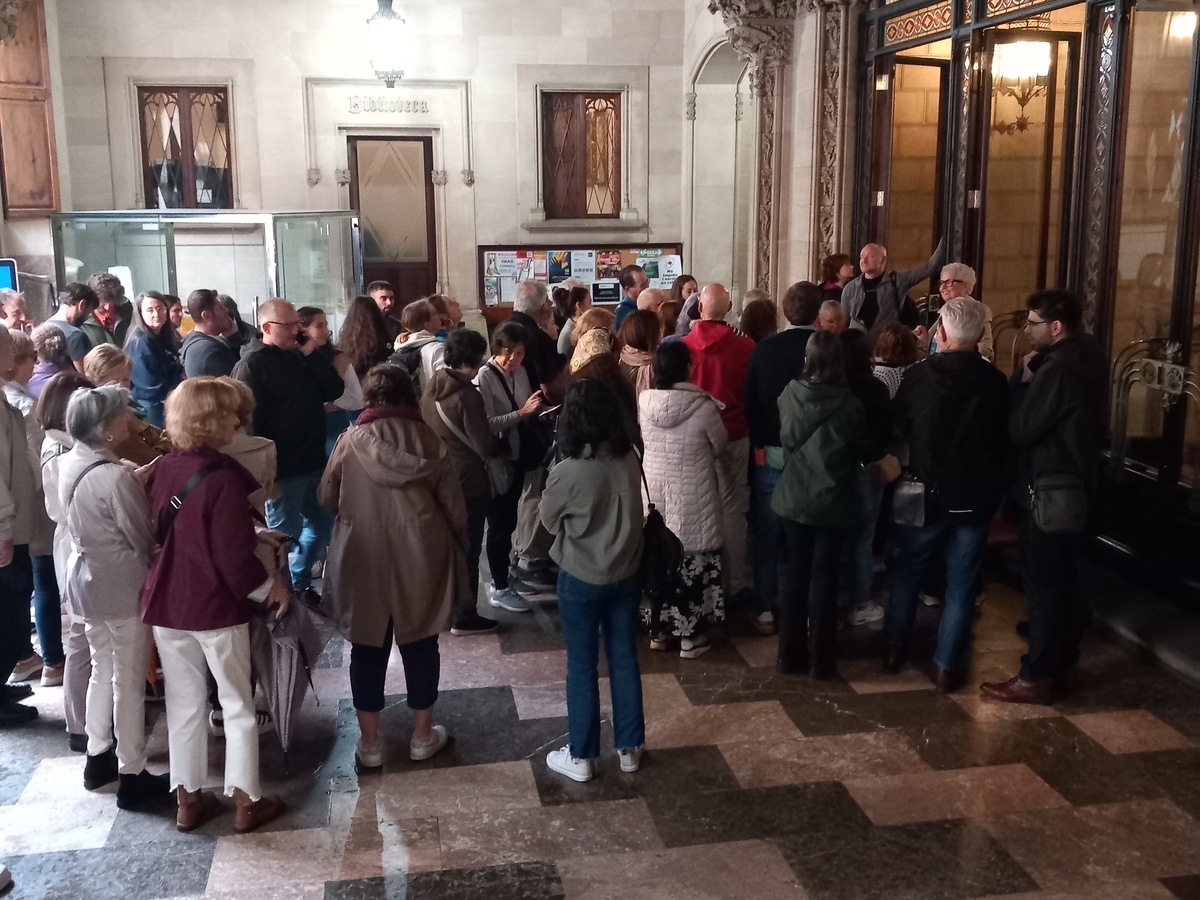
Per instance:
x=397, y=560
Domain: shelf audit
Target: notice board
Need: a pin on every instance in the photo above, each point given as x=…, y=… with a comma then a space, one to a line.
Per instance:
x=502, y=266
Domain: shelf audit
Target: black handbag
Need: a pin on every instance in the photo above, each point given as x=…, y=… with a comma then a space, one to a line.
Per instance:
x=1059, y=504
x=662, y=559
x=912, y=498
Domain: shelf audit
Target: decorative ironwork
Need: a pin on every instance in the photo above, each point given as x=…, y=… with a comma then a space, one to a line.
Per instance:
x=603, y=173
x=9, y=11
x=963, y=114
x=918, y=23
x=582, y=155
x=1001, y=7
x=186, y=152
x=1099, y=167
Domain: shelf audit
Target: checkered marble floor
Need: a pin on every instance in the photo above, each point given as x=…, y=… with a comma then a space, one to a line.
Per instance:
x=754, y=785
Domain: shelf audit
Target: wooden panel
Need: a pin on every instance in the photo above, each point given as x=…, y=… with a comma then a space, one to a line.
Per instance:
x=23, y=60
x=27, y=156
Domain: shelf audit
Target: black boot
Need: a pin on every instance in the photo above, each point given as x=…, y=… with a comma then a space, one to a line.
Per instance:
x=100, y=769
x=133, y=790
x=13, y=713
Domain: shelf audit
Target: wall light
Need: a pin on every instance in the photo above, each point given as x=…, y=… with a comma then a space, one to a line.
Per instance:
x=386, y=44
x=1182, y=25
x=1020, y=69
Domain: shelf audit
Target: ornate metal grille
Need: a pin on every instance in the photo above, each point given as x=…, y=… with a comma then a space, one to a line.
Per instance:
x=186, y=149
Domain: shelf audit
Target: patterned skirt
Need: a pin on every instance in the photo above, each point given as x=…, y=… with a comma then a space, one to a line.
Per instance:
x=700, y=601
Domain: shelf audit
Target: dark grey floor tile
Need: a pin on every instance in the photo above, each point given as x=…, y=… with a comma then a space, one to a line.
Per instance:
x=539, y=632
x=1177, y=773
x=1185, y=887
x=520, y=881
x=683, y=770
x=758, y=813
x=334, y=655
x=929, y=861
x=137, y=872
x=850, y=713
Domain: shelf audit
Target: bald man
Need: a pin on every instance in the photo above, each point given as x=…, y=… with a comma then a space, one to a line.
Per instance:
x=291, y=385
x=876, y=298
x=720, y=357
x=652, y=298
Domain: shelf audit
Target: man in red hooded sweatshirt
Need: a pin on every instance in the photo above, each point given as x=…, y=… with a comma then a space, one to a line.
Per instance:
x=720, y=356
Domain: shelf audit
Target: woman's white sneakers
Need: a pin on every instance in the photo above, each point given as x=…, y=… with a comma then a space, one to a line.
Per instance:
x=630, y=759
x=419, y=750
x=562, y=762
x=369, y=756
x=691, y=647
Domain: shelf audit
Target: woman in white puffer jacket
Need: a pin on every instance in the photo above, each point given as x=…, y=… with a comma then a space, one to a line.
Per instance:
x=682, y=430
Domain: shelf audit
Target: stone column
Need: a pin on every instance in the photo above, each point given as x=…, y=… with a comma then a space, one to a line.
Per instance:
x=833, y=150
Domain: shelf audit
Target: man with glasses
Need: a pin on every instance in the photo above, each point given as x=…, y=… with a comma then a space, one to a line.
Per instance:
x=291, y=386
x=1056, y=424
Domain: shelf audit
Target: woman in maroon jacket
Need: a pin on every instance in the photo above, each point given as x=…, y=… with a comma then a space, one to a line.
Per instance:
x=200, y=611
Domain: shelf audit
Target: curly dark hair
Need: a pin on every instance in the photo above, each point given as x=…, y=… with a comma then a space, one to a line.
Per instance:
x=831, y=265
x=896, y=346
x=590, y=419
x=671, y=363
x=364, y=335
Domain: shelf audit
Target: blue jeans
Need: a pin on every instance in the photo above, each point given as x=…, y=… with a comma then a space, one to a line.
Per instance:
x=862, y=540
x=47, y=610
x=587, y=610
x=297, y=514
x=964, y=557
x=768, y=540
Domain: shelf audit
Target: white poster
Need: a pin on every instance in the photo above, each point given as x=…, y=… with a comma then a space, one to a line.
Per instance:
x=583, y=265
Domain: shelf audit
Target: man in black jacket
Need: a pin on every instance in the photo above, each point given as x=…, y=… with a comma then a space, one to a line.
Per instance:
x=533, y=572
x=291, y=386
x=952, y=409
x=775, y=363
x=1057, y=426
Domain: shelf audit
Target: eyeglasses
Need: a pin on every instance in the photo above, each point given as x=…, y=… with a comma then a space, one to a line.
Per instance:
x=295, y=324
x=1031, y=322
x=950, y=281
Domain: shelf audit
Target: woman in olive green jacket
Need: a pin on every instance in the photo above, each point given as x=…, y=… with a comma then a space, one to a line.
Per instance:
x=824, y=431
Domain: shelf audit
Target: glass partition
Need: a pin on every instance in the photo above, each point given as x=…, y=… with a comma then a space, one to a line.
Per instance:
x=313, y=259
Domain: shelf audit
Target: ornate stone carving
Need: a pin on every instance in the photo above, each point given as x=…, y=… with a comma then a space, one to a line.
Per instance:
x=439, y=177
x=314, y=177
x=341, y=176
x=689, y=110
x=468, y=177
x=831, y=145
x=767, y=162
x=1099, y=168
x=9, y=11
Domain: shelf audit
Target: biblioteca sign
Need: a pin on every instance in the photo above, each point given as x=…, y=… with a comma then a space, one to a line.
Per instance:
x=366, y=104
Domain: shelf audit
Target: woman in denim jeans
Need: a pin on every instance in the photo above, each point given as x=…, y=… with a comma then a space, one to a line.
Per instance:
x=592, y=504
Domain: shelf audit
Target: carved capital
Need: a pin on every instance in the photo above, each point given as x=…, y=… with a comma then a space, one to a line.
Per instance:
x=468, y=177
x=440, y=177
x=341, y=176
x=314, y=177
x=9, y=10
x=689, y=110
x=760, y=30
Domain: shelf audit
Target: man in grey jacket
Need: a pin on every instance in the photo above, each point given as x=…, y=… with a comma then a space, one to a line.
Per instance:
x=875, y=299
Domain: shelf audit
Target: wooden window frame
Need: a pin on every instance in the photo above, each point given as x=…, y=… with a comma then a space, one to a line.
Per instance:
x=577, y=211
x=185, y=93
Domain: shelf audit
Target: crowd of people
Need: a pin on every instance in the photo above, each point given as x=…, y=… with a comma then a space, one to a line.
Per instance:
x=165, y=491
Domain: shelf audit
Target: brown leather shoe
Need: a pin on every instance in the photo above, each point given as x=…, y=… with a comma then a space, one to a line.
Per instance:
x=252, y=814
x=1017, y=691
x=195, y=808
x=949, y=681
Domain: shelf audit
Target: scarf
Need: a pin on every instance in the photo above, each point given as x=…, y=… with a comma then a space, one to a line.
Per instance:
x=375, y=413
x=643, y=365
x=595, y=343
x=106, y=315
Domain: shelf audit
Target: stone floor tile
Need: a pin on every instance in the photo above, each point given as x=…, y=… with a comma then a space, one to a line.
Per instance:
x=720, y=724
x=828, y=758
x=955, y=794
x=678, y=770
x=519, y=881
x=547, y=833
x=137, y=873
x=1115, y=890
x=282, y=892
x=1177, y=774
x=712, y=872
x=49, y=826
x=988, y=711
x=1130, y=731
x=1070, y=848
x=1182, y=887
x=383, y=845
x=759, y=651
x=926, y=861
x=545, y=701
x=866, y=676
x=424, y=793
x=923, y=711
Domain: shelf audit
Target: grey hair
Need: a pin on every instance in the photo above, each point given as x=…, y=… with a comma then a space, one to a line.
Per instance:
x=7, y=295
x=91, y=411
x=531, y=297
x=963, y=319
x=754, y=294
x=961, y=272
x=830, y=306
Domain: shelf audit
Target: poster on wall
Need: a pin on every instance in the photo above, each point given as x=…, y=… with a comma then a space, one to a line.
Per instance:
x=503, y=268
x=491, y=291
x=583, y=265
x=608, y=265
x=559, y=266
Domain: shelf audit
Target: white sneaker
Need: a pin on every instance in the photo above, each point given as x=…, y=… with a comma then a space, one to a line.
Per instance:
x=562, y=762
x=25, y=669
x=216, y=723
x=508, y=599
x=369, y=756
x=872, y=612
x=659, y=642
x=764, y=622
x=263, y=723
x=696, y=645
x=419, y=750
x=630, y=759
x=929, y=599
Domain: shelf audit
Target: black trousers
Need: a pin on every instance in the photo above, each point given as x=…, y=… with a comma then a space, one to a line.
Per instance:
x=476, y=518
x=16, y=590
x=808, y=616
x=1054, y=601
x=368, y=670
x=501, y=523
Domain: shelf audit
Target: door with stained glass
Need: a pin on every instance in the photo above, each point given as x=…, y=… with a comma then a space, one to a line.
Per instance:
x=187, y=152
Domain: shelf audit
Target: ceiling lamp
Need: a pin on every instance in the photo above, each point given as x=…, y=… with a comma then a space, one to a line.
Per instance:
x=386, y=44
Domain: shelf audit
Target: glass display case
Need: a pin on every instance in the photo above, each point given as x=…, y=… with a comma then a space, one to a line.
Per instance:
x=311, y=258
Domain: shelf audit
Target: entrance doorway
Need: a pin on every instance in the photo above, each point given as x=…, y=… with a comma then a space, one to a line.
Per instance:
x=391, y=186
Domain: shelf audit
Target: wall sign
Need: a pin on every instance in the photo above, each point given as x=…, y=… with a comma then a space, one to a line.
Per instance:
x=361, y=103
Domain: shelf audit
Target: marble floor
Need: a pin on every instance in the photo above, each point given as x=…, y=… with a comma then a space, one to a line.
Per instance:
x=754, y=785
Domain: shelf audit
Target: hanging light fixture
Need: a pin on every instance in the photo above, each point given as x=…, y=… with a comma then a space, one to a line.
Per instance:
x=1020, y=70
x=386, y=44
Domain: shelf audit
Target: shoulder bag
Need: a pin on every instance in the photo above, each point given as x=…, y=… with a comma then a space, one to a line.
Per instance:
x=499, y=470
x=911, y=497
x=662, y=557
x=166, y=518
x=534, y=439
x=1059, y=504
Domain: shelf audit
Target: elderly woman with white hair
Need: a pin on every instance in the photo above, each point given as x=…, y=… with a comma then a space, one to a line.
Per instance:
x=958, y=281
x=107, y=521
